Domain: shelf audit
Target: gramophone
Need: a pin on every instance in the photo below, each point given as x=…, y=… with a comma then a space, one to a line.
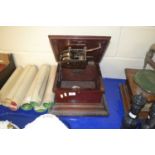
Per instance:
x=78, y=85
x=140, y=82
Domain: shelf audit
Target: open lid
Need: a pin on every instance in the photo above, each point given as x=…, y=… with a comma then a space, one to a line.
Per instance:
x=96, y=45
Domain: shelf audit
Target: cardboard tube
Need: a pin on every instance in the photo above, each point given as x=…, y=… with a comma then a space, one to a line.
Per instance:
x=17, y=85
x=26, y=83
x=48, y=98
x=10, y=83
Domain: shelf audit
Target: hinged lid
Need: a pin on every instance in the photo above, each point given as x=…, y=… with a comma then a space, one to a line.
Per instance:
x=95, y=46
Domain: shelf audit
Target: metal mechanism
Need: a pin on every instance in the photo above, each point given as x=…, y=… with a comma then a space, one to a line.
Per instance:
x=76, y=57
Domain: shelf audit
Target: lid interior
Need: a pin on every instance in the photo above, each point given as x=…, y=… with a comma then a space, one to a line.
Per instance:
x=94, y=45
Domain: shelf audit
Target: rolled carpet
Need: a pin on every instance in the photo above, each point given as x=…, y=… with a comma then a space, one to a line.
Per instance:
x=37, y=89
x=48, y=98
x=22, y=90
x=10, y=83
x=9, y=98
x=26, y=103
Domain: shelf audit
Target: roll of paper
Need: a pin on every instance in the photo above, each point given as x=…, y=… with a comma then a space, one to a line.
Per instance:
x=10, y=83
x=37, y=89
x=26, y=83
x=13, y=91
x=48, y=98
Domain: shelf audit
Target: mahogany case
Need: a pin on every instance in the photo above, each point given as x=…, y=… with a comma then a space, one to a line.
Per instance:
x=78, y=85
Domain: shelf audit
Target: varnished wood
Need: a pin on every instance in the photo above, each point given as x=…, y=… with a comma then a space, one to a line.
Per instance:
x=4, y=59
x=2, y=67
x=70, y=109
x=6, y=68
x=88, y=98
x=61, y=42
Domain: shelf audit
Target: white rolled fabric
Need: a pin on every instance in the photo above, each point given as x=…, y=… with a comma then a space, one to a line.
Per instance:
x=26, y=83
x=16, y=86
x=48, y=98
x=40, y=84
x=10, y=83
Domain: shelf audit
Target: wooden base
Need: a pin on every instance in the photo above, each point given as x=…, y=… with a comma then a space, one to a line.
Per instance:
x=79, y=109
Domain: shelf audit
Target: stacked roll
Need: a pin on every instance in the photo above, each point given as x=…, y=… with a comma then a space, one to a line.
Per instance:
x=19, y=87
x=29, y=88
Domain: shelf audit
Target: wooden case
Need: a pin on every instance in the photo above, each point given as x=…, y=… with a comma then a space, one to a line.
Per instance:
x=7, y=66
x=78, y=85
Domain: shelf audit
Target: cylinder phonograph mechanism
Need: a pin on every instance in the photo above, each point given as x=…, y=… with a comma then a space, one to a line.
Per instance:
x=78, y=86
x=76, y=56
